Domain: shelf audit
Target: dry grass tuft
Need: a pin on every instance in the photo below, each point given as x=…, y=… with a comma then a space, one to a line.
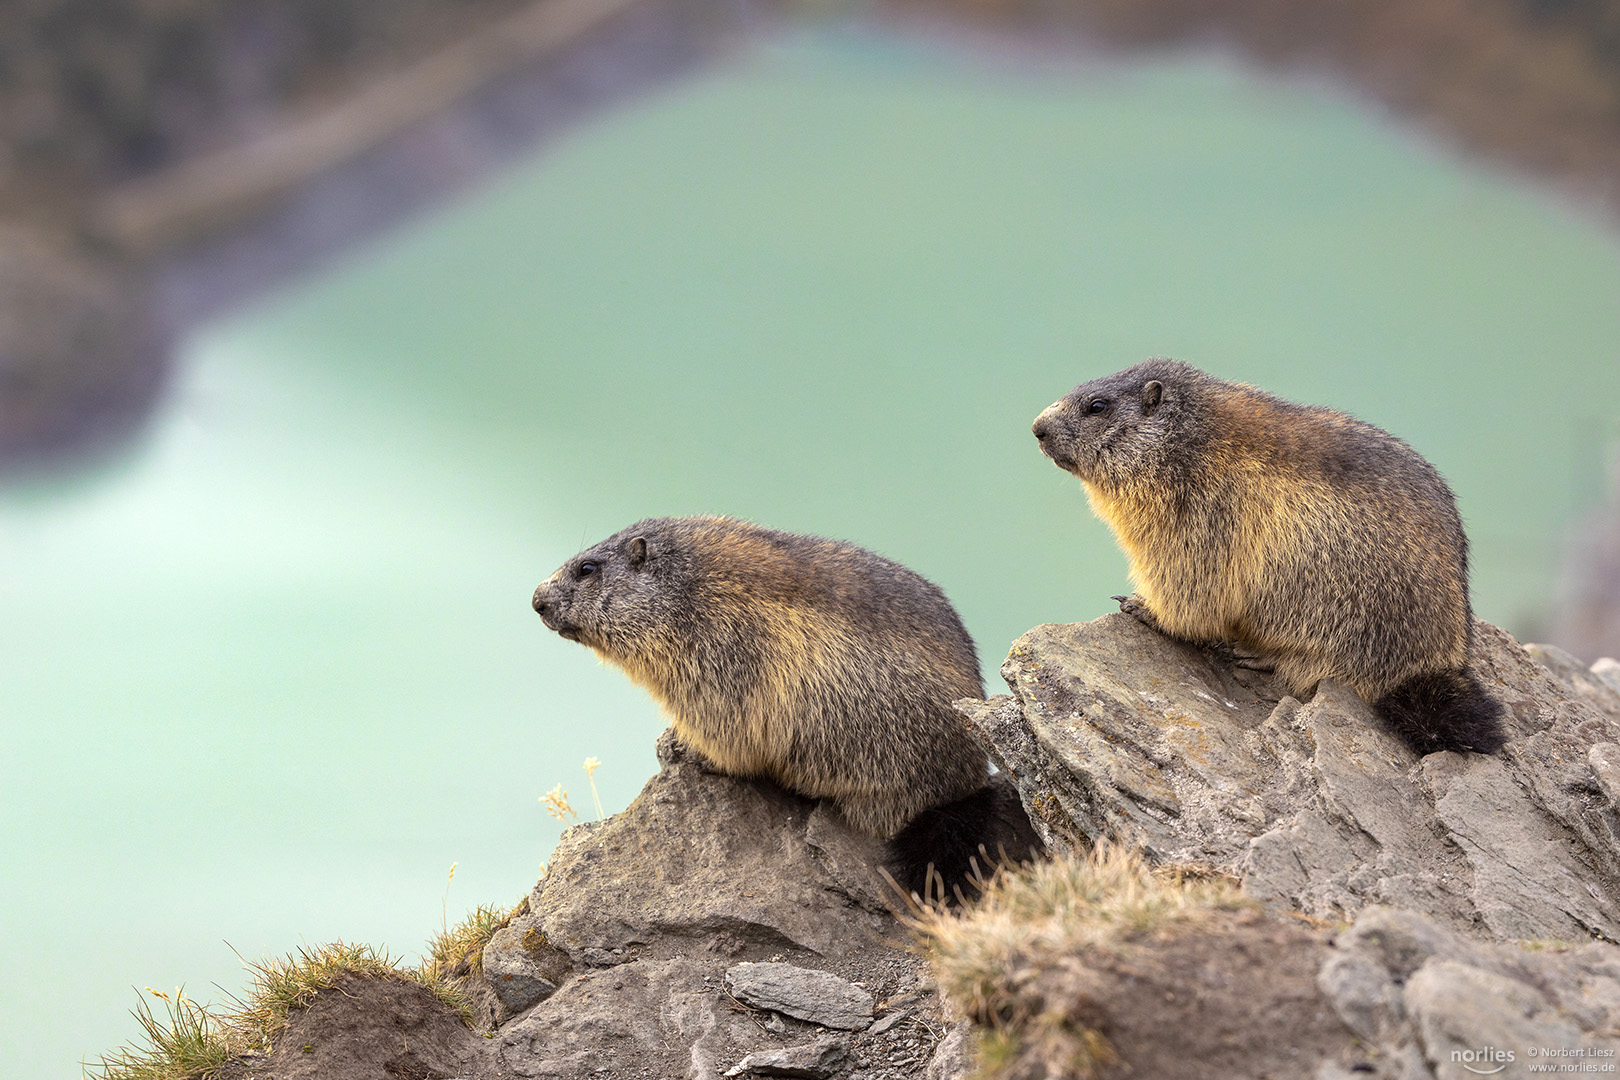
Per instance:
x=191, y=1042
x=277, y=986
x=987, y=957
x=459, y=950
x=194, y=1041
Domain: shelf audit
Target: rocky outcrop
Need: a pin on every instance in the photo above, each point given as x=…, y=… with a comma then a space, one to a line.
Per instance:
x=715, y=927
x=1113, y=729
x=655, y=933
x=721, y=927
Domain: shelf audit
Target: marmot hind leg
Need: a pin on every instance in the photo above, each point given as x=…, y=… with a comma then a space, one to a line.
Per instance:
x=877, y=814
x=1240, y=656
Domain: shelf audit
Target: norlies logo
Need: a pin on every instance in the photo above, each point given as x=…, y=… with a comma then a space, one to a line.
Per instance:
x=1486, y=1061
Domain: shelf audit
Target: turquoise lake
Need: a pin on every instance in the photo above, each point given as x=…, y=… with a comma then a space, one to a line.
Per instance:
x=267, y=676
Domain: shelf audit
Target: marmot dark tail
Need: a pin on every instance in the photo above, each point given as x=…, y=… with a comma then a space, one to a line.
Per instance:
x=961, y=841
x=1443, y=710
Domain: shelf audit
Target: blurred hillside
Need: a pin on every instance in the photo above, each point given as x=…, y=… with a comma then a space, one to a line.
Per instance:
x=97, y=91
x=94, y=92
x=130, y=129
x=1535, y=82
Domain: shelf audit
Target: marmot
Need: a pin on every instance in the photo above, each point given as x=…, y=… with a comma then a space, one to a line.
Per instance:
x=1324, y=546
x=815, y=663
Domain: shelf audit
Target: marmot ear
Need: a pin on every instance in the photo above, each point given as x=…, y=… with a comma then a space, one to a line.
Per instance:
x=1152, y=394
x=637, y=551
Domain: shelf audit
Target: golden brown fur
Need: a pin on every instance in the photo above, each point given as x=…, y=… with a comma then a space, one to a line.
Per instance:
x=820, y=665
x=1315, y=541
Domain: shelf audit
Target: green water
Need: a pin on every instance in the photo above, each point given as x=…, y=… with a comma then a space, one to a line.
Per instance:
x=267, y=678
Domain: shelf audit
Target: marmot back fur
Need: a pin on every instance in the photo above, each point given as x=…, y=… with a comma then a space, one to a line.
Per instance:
x=1324, y=545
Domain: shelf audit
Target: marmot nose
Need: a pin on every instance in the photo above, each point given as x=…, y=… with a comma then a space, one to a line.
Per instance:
x=1041, y=427
x=540, y=603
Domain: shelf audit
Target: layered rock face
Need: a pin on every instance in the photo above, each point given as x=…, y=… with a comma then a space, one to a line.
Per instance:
x=1471, y=880
x=1113, y=729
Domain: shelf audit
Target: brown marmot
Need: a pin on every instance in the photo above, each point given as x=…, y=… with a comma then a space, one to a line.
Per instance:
x=815, y=663
x=1322, y=545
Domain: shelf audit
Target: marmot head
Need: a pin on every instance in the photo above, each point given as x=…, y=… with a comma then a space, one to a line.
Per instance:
x=619, y=594
x=1118, y=429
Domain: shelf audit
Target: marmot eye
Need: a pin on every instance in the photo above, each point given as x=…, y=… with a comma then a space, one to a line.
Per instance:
x=587, y=568
x=1097, y=405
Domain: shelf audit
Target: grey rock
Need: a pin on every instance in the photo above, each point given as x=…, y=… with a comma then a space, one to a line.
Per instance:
x=1362, y=976
x=1362, y=994
x=1590, y=684
x=710, y=857
x=1608, y=670
x=697, y=1016
x=1605, y=761
x=849, y=858
x=522, y=968
x=518, y=982
x=629, y=1013
x=714, y=860
x=810, y=1061
x=639, y=917
x=1429, y=1002
x=1527, y=883
x=816, y=997
x=953, y=1057
x=1465, y=1016
x=1112, y=729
